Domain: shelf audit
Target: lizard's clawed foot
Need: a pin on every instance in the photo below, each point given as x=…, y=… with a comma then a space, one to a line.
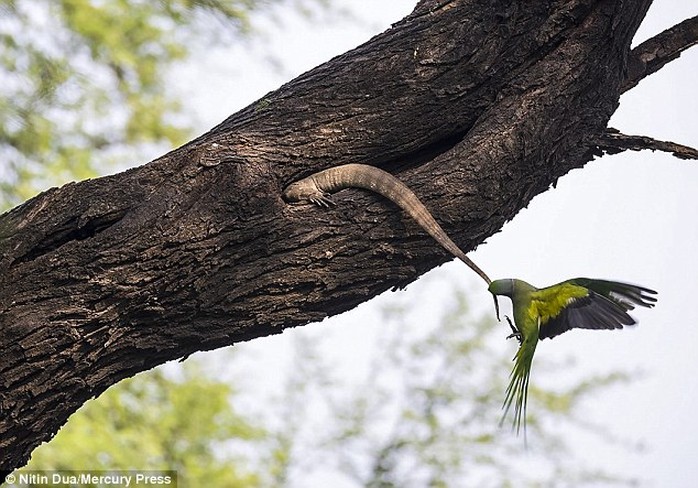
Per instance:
x=323, y=200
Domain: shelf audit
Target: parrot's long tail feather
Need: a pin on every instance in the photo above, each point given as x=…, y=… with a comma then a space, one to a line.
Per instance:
x=517, y=391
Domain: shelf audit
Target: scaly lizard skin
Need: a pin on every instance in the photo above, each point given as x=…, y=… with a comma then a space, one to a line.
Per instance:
x=317, y=188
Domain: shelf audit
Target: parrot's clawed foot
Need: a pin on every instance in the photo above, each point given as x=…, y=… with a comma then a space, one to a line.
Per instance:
x=514, y=331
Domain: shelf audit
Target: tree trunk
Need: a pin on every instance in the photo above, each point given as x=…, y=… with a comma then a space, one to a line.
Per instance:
x=477, y=105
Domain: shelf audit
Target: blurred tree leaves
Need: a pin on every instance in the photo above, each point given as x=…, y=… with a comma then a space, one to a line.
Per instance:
x=157, y=422
x=83, y=82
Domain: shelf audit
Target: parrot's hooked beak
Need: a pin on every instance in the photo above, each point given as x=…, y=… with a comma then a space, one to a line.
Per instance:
x=496, y=306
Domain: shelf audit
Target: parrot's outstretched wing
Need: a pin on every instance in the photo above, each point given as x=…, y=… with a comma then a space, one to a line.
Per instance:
x=603, y=305
x=625, y=295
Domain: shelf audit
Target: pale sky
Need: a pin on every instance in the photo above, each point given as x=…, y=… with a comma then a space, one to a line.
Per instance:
x=630, y=217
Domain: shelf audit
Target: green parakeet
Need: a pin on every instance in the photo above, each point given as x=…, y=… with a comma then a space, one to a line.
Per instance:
x=547, y=312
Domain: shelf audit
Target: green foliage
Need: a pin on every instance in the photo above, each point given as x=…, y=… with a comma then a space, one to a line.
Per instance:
x=154, y=422
x=83, y=82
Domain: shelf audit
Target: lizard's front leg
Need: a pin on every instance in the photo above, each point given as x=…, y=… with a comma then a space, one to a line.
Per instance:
x=322, y=199
x=307, y=189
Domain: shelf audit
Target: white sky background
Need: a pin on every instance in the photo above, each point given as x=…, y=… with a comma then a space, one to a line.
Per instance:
x=631, y=217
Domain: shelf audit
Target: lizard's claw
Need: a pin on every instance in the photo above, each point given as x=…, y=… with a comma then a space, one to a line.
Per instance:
x=323, y=200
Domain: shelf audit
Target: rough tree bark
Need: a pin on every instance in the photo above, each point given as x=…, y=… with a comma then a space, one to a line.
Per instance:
x=477, y=105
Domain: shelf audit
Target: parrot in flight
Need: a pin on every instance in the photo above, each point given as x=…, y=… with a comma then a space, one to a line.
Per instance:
x=547, y=312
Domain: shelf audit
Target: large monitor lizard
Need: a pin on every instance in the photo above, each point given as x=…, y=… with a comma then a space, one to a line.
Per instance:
x=318, y=187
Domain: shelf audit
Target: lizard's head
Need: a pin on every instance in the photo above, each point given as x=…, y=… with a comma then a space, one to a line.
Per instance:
x=298, y=191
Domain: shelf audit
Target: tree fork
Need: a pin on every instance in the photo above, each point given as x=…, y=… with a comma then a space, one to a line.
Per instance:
x=477, y=106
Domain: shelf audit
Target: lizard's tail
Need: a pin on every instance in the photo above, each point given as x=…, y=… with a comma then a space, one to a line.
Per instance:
x=395, y=190
x=383, y=183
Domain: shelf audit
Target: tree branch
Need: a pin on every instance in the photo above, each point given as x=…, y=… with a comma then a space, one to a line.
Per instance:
x=614, y=142
x=650, y=56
